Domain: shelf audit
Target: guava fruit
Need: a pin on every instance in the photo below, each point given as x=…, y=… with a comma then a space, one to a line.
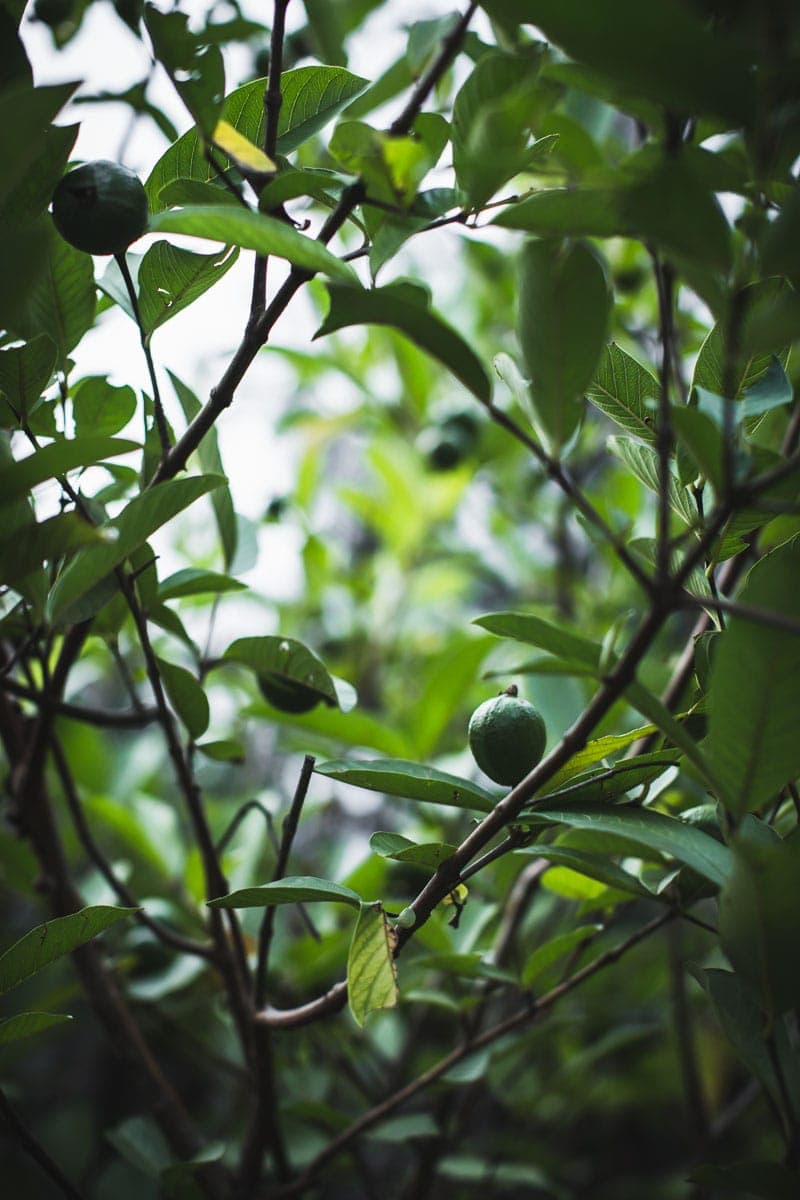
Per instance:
x=100, y=207
x=507, y=737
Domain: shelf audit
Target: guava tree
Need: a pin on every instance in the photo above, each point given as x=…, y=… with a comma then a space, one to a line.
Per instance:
x=525, y=302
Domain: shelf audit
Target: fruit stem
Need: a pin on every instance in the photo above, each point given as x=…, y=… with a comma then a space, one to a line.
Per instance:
x=158, y=408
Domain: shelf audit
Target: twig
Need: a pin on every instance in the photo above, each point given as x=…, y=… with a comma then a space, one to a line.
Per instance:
x=527, y=1014
x=134, y=719
x=287, y=837
x=748, y=612
x=665, y=287
x=164, y=934
x=158, y=409
x=33, y=1147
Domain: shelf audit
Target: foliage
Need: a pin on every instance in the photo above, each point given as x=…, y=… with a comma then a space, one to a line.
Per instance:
x=305, y=946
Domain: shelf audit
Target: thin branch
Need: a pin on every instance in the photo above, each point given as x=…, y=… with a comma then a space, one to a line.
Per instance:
x=666, y=300
x=748, y=612
x=131, y=719
x=169, y=937
x=158, y=409
x=427, y=82
x=287, y=838
x=523, y=1016
x=34, y=1148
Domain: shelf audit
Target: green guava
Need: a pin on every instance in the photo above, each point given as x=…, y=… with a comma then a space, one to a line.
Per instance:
x=100, y=207
x=507, y=737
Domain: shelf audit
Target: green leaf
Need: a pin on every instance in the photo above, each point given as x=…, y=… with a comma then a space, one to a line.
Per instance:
x=637, y=46
x=135, y=524
x=737, y=1007
x=25, y=372
x=312, y=96
x=191, y=581
x=62, y=302
x=566, y=212
x=100, y=407
x=392, y=168
x=228, y=750
x=253, y=231
x=621, y=389
x=286, y=660
x=564, y=306
x=655, y=830
x=642, y=460
x=371, y=972
x=170, y=279
x=595, y=751
x=747, y=368
x=186, y=696
x=544, y=956
x=294, y=889
x=759, y=915
x=404, y=306
x=25, y=116
x=429, y=856
x=57, y=459
x=211, y=463
x=593, y=866
x=54, y=939
x=605, y=784
x=412, y=781
x=23, y=1025
x=752, y=744
x=195, y=68
x=26, y=548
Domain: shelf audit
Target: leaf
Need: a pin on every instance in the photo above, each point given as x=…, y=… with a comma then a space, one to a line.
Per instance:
x=135, y=524
x=211, y=463
x=752, y=743
x=241, y=151
x=98, y=407
x=412, y=781
x=57, y=459
x=171, y=278
x=748, y=368
x=26, y=548
x=544, y=956
x=593, y=866
x=737, y=1008
x=565, y=212
x=294, y=889
x=604, y=784
x=191, y=581
x=404, y=306
x=286, y=660
x=195, y=68
x=564, y=306
x=54, y=939
x=429, y=856
x=595, y=751
x=23, y=1025
x=186, y=696
x=371, y=971
x=312, y=96
x=759, y=916
x=637, y=47
x=621, y=389
x=655, y=830
x=25, y=372
x=642, y=460
x=252, y=231
x=62, y=302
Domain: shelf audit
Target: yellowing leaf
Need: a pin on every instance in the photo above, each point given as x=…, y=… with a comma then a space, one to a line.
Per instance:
x=371, y=971
x=244, y=153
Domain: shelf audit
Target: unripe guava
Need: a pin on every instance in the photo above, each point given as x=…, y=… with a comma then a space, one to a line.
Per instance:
x=100, y=207
x=507, y=737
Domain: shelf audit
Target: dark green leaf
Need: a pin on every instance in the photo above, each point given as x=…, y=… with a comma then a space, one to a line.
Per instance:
x=655, y=830
x=553, y=950
x=25, y=372
x=395, y=777
x=100, y=407
x=170, y=279
x=294, y=889
x=253, y=231
x=286, y=660
x=752, y=744
x=186, y=696
x=622, y=389
x=135, y=524
x=191, y=581
x=25, y=1024
x=564, y=306
x=57, y=459
x=405, y=307
x=53, y=940
x=62, y=301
